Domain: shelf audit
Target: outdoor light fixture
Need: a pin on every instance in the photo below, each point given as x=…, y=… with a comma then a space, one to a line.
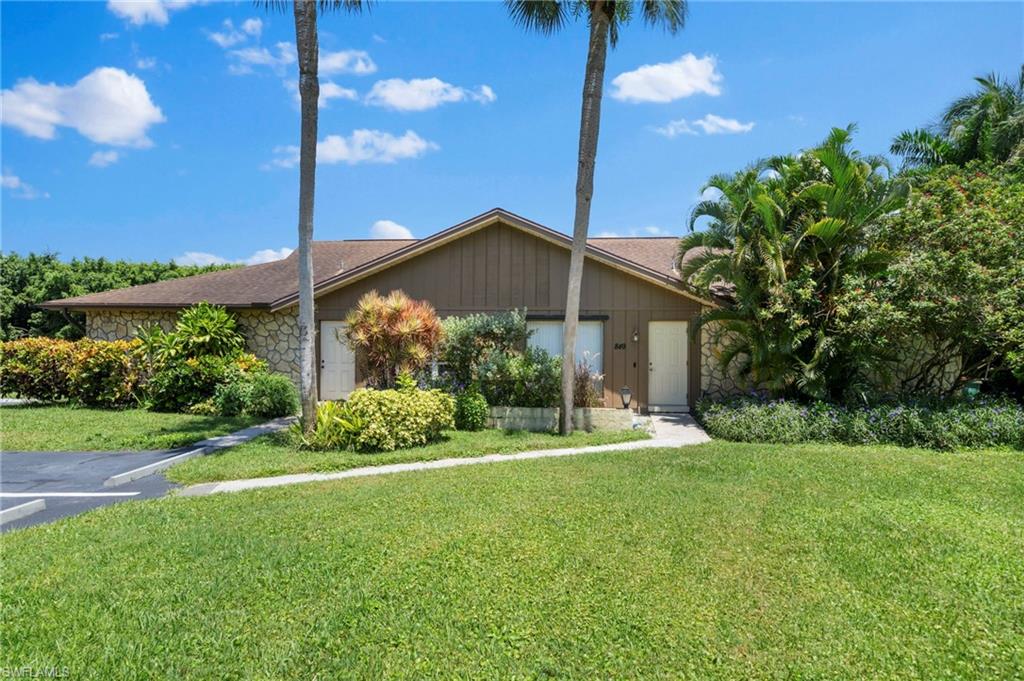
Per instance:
x=627, y=395
x=636, y=335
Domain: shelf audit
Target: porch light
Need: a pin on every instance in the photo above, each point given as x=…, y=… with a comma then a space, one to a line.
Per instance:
x=636, y=335
x=627, y=395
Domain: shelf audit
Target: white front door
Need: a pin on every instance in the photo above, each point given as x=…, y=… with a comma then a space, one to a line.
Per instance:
x=337, y=362
x=667, y=371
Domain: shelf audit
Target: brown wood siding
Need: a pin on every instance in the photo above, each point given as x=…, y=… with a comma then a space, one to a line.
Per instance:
x=501, y=267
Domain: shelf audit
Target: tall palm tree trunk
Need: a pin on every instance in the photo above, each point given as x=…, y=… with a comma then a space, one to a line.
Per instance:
x=309, y=92
x=590, y=123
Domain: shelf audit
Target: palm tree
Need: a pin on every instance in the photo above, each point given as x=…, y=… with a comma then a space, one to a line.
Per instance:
x=605, y=18
x=308, y=48
x=987, y=124
x=784, y=234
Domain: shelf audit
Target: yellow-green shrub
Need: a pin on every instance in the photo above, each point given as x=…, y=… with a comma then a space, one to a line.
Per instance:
x=37, y=368
x=396, y=419
x=105, y=373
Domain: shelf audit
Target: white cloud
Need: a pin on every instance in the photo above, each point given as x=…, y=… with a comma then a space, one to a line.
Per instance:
x=357, y=62
x=231, y=36
x=669, y=81
x=139, y=12
x=388, y=229
x=362, y=146
x=253, y=27
x=420, y=94
x=102, y=159
x=328, y=91
x=710, y=124
x=247, y=57
x=257, y=258
x=145, y=63
x=20, y=189
x=108, y=106
x=649, y=230
x=104, y=37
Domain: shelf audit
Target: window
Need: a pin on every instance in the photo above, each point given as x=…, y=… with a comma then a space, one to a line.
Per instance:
x=547, y=335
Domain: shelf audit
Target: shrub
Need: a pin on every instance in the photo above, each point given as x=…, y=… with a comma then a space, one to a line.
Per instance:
x=37, y=368
x=105, y=374
x=232, y=399
x=470, y=411
x=532, y=379
x=181, y=383
x=392, y=334
x=396, y=419
x=272, y=396
x=471, y=340
x=337, y=427
x=933, y=423
x=586, y=391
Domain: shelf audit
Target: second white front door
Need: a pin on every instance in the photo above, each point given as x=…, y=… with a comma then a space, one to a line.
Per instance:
x=337, y=362
x=668, y=373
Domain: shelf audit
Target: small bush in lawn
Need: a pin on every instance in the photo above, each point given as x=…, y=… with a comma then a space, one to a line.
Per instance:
x=397, y=419
x=37, y=368
x=272, y=396
x=232, y=399
x=931, y=423
x=471, y=411
x=336, y=428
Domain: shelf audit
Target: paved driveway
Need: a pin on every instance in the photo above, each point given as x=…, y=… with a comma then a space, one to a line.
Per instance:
x=72, y=482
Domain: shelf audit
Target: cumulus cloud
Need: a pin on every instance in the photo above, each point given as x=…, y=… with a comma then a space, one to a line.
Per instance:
x=102, y=159
x=248, y=57
x=669, y=81
x=420, y=94
x=362, y=146
x=328, y=90
x=108, y=106
x=20, y=189
x=388, y=229
x=139, y=12
x=230, y=36
x=356, y=62
x=710, y=124
x=258, y=258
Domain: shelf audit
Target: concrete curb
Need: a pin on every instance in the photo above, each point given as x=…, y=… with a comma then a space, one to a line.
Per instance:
x=201, y=448
x=367, y=471
x=21, y=511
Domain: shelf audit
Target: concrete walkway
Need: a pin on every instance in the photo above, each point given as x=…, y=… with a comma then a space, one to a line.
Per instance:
x=675, y=430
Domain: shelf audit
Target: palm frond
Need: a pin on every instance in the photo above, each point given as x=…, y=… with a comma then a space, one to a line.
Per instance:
x=544, y=16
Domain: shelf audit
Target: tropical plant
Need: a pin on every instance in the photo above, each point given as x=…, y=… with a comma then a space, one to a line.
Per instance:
x=605, y=19
x=202, y=330
x=986, y=125
x=397, y=419
x=783, y=236
x=392, y=334
x=336, y=427
x=307, y=44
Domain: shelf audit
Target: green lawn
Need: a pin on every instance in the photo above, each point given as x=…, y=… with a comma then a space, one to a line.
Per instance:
x=277, y=455
x=714, y=561
x=61, y=428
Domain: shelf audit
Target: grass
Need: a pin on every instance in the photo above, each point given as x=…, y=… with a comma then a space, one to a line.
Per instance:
x=33, y=428
x=277, y=455
x=715, y=561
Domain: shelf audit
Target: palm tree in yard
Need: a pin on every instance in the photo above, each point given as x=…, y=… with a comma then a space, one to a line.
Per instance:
x=605, y=18
x=308, y=48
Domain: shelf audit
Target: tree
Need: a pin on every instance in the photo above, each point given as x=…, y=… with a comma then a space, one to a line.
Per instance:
x=392, y=334
x=986, y=125
x=784, y=236
x=307, y=46
x=605, y=18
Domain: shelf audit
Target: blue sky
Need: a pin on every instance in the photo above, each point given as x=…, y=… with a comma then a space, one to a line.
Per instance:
x=158, y=129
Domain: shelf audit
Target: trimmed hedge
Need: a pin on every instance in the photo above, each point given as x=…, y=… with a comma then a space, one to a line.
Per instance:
x=934, y=424
x=397, y=419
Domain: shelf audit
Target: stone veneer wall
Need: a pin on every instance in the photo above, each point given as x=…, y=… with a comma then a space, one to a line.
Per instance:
x=714, y=382
x=271, y=336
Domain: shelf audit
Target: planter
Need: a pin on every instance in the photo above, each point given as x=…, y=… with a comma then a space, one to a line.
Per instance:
x=545, y=419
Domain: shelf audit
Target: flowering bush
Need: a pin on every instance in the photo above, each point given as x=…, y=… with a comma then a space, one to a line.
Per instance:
x=396, y=419
x=933, y=423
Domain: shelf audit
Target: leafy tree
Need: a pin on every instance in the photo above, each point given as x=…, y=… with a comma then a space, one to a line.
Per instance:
x=26, y=281
x=957, y=283
x=605, y=19
x=986, y=125
x=785, y=234
x=392, y=334
x=307, y=44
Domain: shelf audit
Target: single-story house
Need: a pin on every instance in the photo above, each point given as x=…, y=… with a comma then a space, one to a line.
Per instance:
x=635, y=312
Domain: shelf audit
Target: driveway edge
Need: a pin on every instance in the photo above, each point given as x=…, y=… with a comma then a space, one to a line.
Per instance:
x=22, y=511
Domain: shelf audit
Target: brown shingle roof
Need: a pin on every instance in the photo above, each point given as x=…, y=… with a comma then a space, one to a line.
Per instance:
x=274, y=284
